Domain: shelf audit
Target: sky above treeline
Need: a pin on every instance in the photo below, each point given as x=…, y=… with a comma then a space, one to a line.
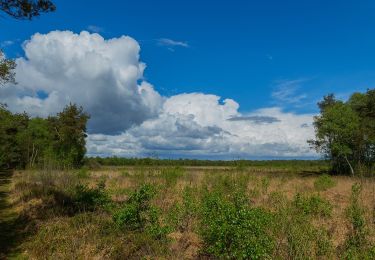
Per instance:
x=195, y=79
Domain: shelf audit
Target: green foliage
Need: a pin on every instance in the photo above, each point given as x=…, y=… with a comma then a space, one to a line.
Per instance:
x=56, y=142
x=232, y=229
x=324, y=182
x=181, y=215
x=137, y=213
x=171, y=175
x=357, y=245
x=304, y=241
x=26, y=9
x=345, y=132
x=90, y=199
x=83, y=173
x=315, y=165
x=7, y=68
x=69, y=129
x=11, y=127
x=312, y=205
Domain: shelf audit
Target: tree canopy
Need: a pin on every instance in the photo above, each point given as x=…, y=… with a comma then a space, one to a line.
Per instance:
x=30, y=142
x=7, y=66
x=26, y=9
x=21, y=10
x=345, y=132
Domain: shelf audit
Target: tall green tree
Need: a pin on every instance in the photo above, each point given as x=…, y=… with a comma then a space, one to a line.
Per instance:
x=35, y=142
x=69, y=129
x=345, y=132
x=11, y=126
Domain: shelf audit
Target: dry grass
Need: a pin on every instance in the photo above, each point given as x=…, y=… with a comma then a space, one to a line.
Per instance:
x=90, y=235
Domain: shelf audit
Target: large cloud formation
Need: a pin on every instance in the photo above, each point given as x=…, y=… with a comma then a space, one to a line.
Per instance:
x=101, y=75
x=130, y=118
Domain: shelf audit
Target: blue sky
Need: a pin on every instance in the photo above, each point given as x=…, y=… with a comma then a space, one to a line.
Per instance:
x=237, y=49
x=262, y=54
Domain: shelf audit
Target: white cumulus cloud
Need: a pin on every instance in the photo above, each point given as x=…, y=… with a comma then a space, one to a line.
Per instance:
x=130, y=118
x=101, y=75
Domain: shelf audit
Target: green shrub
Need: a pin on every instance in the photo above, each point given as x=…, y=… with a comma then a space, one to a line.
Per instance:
x=137, y=214
x=304, y=241
x=83, y=173
x=132, y=215
x=312, y=205
x=324, y=182
x=232, y=229
x=181, y=215
x=89, y=199
x=171, y=175
x=357, y=245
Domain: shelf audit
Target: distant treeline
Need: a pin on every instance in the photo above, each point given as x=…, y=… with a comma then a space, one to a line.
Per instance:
x=121, y=161
x=57, y=141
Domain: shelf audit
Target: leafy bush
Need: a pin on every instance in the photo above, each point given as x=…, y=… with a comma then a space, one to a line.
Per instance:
x=83, y=173
x=171, y=175
x=304, y=241
x=137, y=213
x=181, y=215
x=357, y=245
x=312, y=205
x=89, y=199
x=324, y=182
x=232, y=229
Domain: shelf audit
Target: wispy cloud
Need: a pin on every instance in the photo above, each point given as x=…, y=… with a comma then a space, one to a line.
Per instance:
x=256, y=119
x=6, y=44
x=287, y=91
x=171, y=44
x=94, y=28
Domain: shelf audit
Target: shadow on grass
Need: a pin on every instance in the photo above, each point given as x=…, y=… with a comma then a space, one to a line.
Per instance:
x=12, y=227
x=309, y=173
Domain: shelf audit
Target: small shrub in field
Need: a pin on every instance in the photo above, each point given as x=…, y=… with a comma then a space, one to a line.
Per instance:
x=181, y=215
x=137, y=213
x=83, y=173
x=357, y=245
x=304, y=241
x=232, y=229
x=324, y=182
x=171, y=175
x=312, y=205
x=89, y=199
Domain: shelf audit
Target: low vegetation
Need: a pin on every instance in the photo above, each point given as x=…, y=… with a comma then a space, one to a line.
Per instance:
x=193, y=212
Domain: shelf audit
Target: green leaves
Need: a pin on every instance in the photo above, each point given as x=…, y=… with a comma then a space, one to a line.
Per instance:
x=58, y=140
x=345, y=132
x=7, y=66
x=232, y=229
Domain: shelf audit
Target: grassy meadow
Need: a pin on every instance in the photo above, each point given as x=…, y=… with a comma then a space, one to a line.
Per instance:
x=281, y=211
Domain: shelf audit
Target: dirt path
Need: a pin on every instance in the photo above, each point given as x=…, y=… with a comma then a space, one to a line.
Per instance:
x=9, y=224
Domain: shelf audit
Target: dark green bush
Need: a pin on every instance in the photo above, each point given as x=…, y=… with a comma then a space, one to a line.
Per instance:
x=137, y=214
x=89, y=199
x=312, y=205
x=232, y=229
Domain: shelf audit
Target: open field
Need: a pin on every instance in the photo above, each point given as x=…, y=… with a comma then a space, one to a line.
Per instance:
x=199, y=212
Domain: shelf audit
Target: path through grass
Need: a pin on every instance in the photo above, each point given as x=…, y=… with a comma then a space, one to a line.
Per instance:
x=10, y=226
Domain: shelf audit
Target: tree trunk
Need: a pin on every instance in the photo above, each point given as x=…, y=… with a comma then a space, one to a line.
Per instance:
x=351, y=168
